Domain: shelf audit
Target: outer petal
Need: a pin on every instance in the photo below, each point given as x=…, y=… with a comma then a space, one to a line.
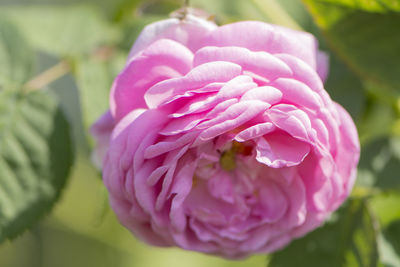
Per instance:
x=322, y=65
x=163, y=60
x=348, y=152
x=322, y=58
x=187, y=32
x=101, y=131
x=260, y=63
x=198, y=77
x=119, y=176
x=258, y=36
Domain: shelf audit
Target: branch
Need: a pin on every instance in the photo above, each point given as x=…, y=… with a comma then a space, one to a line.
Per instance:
x=48, y=76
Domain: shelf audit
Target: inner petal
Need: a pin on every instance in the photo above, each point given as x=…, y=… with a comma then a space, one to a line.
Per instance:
x=272, y=203
x=279, y=149
x=229, y=203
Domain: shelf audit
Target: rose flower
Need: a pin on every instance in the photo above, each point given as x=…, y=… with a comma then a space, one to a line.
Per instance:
x=223, y=140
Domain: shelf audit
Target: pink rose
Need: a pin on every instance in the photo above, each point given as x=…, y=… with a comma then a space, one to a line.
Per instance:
x=223, y=139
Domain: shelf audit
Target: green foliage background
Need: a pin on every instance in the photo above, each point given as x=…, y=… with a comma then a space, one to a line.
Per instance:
x=58, y=59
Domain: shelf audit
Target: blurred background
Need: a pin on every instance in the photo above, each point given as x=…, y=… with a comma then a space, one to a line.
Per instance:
x=81, y=231
x=92, y=38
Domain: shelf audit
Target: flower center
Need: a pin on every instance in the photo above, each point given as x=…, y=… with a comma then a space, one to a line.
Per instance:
x=228, y=157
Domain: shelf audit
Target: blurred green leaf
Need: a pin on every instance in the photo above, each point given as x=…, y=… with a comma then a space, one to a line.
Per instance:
x=124, y=9
x=107, y=6
x=377, y=121
x=388, y=254
x=16, y=56
x=367, y=5
x=379, y=166
x=87, y=250
x=94, y=77
x=133, y=28
x=35, y=158
x=227, y=11
x=346, y=88
x=392, y=234
x=348, y=240
x=367, y=41
x=158, y=7
x=63, y=30
x=297, y=11
x=387, y=209
x=94, y=80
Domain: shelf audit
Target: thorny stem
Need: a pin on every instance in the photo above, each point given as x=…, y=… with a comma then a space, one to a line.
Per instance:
x=48, y=76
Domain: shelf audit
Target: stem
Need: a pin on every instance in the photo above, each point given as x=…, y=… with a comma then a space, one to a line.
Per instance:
x=374, y=218
x=377, y=230
x=48, y=76
x=186, y=3
x=184, y=9
x=38, y=248
x=273, y=10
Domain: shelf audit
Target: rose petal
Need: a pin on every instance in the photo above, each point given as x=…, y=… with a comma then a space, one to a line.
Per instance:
x=259, y=63
x=272, y=203
x=297, y=93
x=188, y=32
x=266, y=94
x=232, y=118
x=255, y=131
x=157, y=63
x=264, y=37
x=196, y=78
x=101, y=131
x=292, y=120
x=279, y=150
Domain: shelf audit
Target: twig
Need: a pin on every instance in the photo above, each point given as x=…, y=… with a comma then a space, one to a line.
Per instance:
x=48, y=76
x=186, y=3
x=184, y=11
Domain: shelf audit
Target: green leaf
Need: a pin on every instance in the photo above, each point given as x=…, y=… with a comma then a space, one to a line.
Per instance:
x=388, y=254
x=229, y=11
x=94, y=77
x=345, y=88
x=367, y=41
x=16, y=56
x=63, y=30
x=35, y=158
x=387, y=209
x=379, y=166
x=123, y=9
x=134, y=27
x=348, y=240
x=392, y=233
x=378, y=120
x=94, y=82
x=382, y=6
